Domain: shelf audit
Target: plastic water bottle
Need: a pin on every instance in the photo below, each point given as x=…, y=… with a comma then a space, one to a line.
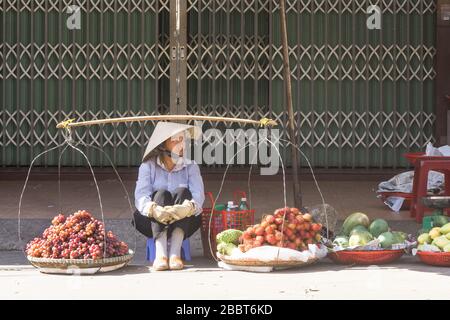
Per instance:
x=243, y=204
x=230, y=206
x=230, y=216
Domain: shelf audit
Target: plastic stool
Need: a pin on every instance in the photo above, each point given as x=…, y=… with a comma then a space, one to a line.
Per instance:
x=185, y=250
x=423, y=166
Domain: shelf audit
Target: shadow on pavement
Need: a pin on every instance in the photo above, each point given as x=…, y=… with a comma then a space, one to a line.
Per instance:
x=11, y=260
x=414, y=266
x=408, y=263
x=325, y=265
x=142, y=267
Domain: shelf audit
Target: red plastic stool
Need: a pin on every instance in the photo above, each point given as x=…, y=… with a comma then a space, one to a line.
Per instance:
x=422, y=167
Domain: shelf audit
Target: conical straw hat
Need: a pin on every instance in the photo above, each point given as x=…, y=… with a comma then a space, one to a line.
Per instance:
x=165, y=130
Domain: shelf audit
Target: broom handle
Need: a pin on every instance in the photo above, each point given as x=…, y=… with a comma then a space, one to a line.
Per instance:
x=70, y=124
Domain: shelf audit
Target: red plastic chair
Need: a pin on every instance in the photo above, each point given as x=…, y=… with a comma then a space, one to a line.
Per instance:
x=422, y=167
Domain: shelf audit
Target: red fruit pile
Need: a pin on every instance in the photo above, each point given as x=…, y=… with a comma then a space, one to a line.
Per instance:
x=79, y=236
x=287, y=228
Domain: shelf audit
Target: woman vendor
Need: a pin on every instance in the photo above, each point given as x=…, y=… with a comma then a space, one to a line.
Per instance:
x=169, y=193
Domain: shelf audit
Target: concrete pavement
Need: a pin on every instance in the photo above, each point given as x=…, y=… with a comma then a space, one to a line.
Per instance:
x=202, y=279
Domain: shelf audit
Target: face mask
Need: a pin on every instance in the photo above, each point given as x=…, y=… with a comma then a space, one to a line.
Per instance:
x=175, y=157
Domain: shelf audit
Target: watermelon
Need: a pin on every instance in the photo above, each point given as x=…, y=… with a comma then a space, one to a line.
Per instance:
x=439, y=221
x=353, y=220
x=387, y=239
x=378, y=226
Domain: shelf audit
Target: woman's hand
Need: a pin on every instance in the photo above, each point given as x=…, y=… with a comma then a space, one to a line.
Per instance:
x=180, y=211
x=159, y=213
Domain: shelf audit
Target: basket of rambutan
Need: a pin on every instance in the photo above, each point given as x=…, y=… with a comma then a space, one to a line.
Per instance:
x=77, y=244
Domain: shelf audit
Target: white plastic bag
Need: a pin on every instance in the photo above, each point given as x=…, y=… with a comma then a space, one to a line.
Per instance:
x=271, y=253
x=395, y=203
x=375, y=245
x=443, y=151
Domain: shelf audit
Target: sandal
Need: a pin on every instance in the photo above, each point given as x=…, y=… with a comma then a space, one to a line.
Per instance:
x=176, y=263
x=160, y=264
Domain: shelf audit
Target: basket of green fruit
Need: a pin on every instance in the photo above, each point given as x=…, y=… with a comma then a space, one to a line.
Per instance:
x=366, y=242
x=440, y=259
x=434, y=246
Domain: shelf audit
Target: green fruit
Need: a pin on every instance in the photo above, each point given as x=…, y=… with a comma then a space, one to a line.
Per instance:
x=387, y=239
x=447, y=248
x=378, y=226
x=435, y=232
x=353, y=220
x=360, y=239
x=440, y=242
x=357, y=229
x=448, y=236
x=221, y=247
x=229, y=249
x=229, y=236
x=445, y=229
x=225, y=248
x=420, y=247
x=400, y=236
x=424, y=238
x=432, y=248
x=341, y=241
x=439, y=221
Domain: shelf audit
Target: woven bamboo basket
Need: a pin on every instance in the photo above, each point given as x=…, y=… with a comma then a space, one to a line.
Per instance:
x=367, y=257
x=80, y=266
x=259, y=263
x=440, y=259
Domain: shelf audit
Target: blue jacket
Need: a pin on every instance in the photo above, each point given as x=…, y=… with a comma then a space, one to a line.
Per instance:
x=154, y=176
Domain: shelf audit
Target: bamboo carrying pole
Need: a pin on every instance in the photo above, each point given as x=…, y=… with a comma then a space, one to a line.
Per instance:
x=291, y=123
x=71, y=124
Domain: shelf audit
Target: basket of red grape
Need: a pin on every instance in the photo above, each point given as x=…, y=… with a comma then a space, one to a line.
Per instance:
x=77, y=244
